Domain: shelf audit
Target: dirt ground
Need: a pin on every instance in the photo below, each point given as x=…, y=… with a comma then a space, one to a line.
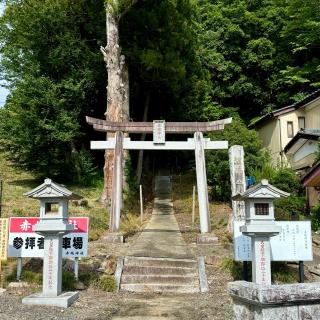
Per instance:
x=96, y=304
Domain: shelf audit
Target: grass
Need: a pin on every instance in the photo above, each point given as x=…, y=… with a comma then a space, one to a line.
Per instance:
x=234, y=268
x=17, y=182
x=182, y=189
x=281, y=272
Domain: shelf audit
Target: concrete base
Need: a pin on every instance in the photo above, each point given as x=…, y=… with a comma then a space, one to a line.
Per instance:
x=207, y=239
x=113, y=238
x=64, y=300
x=289, y=301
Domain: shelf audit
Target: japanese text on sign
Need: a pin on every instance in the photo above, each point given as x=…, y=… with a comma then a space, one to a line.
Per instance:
x=159, y=131
x=23, y=242
x=3, y=238
x=293, y=243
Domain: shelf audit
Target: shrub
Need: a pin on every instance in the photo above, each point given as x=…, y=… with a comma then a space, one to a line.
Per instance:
x=218, y=172
x=233, y=267
x=285, y=179
x=290, y=208
x=315, y=218
x=105, y=283
x=68, y=281
x=282, y=273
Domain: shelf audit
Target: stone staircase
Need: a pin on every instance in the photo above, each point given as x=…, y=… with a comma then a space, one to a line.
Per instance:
x=146, y=274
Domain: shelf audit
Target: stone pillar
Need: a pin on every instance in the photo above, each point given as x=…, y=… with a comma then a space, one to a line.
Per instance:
x=52, y=266
x=202, y=184
x=288, y=301
x=261, y=266
x=238, y=181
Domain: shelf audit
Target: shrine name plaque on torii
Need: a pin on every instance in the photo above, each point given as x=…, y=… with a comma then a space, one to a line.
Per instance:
x=159, y=128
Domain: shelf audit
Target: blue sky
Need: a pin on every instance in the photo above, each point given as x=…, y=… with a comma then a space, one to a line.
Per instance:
x=3, y=91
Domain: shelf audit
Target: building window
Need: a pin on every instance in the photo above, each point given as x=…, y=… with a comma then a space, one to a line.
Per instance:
x=302, y=122
x=261, y=209
x=290, y=129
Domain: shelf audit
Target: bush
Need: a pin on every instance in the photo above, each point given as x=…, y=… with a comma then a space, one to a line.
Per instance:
x=282, y=273
x=68, y=281
x=235, y=268
x=218, y=172
x=285, y=179
x=105, y=283
x=290, y=208
x=315, y=218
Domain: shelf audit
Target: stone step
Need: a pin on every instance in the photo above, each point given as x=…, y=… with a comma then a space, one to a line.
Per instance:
x=151, y=270
x=159, y=279
x=159, y=262
x=155, y=287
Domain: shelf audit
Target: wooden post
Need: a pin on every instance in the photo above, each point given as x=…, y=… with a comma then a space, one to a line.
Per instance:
x=141, y=204
x=193, y=204
x=202, y=184
x=1, y=196
x=117, y=184
x=19, y=268
x=76, y=268
x=238, y=182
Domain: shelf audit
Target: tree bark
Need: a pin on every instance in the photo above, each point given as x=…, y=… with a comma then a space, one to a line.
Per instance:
x=117, y=90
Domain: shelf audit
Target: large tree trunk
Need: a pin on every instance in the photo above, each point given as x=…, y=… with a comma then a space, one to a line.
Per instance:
x=117, y=91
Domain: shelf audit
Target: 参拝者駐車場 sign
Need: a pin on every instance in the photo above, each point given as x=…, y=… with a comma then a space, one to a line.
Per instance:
x=23, y=242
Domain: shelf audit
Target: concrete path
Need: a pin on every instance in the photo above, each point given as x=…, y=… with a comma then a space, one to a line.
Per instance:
x=161, y=238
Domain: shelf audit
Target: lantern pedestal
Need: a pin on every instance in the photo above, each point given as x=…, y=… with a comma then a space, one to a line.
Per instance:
x=53, y=226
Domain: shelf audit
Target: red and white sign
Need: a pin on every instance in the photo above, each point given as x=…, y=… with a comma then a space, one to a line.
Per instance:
x=23, y=242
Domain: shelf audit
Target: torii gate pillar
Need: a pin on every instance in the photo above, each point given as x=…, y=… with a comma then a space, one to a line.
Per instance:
x=205, y=225
x=117, y=184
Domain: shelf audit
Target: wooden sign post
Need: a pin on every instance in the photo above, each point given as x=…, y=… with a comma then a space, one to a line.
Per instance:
x=4, y=228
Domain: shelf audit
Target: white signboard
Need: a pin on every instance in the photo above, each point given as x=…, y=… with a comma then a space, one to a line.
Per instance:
x=294, y=243
x=23, y=242
x=159, y=131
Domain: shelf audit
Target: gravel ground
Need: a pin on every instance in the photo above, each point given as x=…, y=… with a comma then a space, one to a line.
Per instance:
x=94, y=304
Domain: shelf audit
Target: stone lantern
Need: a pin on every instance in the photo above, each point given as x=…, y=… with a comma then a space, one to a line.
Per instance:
x=53, y=225
x=260, y=226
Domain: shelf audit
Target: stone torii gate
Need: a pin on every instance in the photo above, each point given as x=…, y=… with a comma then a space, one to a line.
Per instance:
x=159, y=128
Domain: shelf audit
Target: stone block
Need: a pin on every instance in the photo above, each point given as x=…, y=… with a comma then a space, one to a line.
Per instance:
x=64, y=300
x=207, y=239
x=289, y=301
x=113, y=238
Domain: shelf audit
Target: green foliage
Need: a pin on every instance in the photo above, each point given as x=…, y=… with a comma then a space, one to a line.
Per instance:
x=285, y=179
x=55, y=73
x=130, y=225
x=31, y=277
x=301, y=37
x=84, y=172
x=315, y=218
x=290, y=208
x=105, y=283
x=233, y=267
x=282, y=273
x=68, y=281
x=238, y=47
x=217, y=161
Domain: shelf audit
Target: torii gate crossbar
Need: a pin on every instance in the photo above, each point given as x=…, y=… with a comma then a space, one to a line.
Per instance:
x=198, y=144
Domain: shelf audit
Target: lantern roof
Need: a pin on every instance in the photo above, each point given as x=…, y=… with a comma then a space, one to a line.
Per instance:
x=262, y=190
x=51, y=189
